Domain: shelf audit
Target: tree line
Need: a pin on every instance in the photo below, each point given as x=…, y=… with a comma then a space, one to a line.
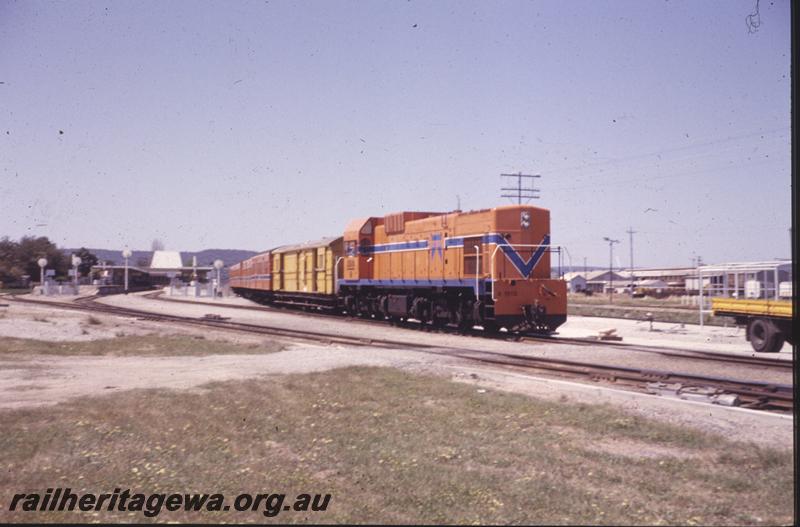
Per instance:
x=20, y=258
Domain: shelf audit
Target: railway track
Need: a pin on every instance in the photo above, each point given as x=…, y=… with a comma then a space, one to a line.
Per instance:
x=532, y=338
x=720, y=390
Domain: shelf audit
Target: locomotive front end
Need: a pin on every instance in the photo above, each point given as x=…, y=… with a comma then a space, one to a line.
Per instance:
x=522, y=293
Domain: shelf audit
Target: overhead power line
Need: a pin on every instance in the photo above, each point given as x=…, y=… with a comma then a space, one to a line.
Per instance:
x=524, y=188
x=667, y=151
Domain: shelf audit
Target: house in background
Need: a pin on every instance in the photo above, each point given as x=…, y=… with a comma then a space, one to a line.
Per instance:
x=576, y=282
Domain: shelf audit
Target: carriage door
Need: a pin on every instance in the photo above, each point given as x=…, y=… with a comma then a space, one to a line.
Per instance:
x=311, y=258
x=277, y=272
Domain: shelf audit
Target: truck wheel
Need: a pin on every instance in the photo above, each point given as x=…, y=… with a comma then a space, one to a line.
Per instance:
x=764, y=336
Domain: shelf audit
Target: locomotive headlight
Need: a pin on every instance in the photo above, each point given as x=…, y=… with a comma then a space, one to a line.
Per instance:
x=525, y=219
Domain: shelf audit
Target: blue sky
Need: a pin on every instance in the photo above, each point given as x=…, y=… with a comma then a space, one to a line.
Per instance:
x=253, y=124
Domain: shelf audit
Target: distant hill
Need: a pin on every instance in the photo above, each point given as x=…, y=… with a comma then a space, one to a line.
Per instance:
x=142, y=258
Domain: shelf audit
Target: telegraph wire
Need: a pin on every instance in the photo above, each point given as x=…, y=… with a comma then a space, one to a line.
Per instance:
x=665, y=151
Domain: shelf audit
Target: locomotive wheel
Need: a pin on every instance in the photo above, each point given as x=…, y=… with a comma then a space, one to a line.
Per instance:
x=764, y=336
x=420, y=310
x=490, y=327
x=463, y=321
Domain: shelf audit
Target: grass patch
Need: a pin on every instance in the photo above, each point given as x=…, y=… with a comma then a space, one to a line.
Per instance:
x=133, y=345
x=669, y=310
x=15, y=291
x=673, y=302
x=391, y=447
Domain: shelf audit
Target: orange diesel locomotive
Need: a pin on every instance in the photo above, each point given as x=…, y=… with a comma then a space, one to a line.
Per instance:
x=488, y=267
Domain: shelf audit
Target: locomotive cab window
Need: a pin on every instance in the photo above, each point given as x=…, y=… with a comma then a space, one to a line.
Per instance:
x=470, y=256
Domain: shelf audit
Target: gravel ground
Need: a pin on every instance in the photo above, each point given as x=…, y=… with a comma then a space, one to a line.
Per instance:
x=58, y=325
x=707, y=338
x=600, y=354
x=45, y=380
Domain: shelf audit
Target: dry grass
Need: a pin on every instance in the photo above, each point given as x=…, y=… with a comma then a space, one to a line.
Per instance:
x=133, y=345
x=673, y=302
x=391, y=448
x=659, y=315
x=668, y=310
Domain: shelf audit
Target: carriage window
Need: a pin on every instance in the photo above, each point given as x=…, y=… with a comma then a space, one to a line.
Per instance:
x=470, y=257
x=350, y=248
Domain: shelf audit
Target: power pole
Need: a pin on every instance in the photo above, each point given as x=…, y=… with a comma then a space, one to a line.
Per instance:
x=631, y=232
x=610, y=268
x=528, y=191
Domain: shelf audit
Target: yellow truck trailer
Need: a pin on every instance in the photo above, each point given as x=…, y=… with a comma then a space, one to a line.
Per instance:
x=768, y=322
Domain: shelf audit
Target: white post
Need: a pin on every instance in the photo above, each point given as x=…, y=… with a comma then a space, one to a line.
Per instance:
x=775, y=283
x=42, y=264
x=76, y=261
x=218, y=265
x=126, y=254
x=700, y=294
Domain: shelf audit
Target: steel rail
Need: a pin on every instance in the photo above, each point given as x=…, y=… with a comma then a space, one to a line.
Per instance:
x=753, y=394
x=528, y=337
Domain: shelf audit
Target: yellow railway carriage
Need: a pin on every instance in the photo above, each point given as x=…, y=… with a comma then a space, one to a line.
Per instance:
x=307, y=267
x=301, y=275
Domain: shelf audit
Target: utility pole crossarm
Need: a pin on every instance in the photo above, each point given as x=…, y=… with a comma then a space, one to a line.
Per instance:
x=519, y=191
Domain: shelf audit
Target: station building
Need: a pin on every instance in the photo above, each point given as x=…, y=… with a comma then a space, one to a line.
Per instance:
x=166, y=268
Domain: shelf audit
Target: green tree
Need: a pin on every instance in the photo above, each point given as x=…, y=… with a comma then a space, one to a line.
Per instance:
x=32, y=248
x=87, y=261
x=10, y=271
x=20, y=258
